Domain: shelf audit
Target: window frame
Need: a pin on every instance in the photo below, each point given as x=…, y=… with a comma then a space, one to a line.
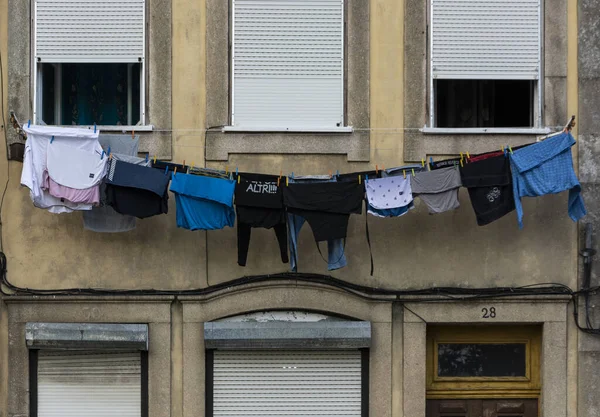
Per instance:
x=231, y=117
x=36, y=71
x=538, y=94
x=480, y=387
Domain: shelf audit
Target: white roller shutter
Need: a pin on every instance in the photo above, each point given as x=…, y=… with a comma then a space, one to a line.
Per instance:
x=288, y=60
x=81, y=31
x=486, y=39
x=287, y=383
x=91, y=385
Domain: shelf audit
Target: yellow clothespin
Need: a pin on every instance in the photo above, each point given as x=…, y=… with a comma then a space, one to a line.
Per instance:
x=468, y=156
x=155, y=159
x=502, y=150
x=238, y=179
x=422, y=162
x=413, y=170
x=510, y=149
x=286, y=181
x=359, y=179
x=461, y=163
x=404, y=172
x=461, y=156
x=192, y=164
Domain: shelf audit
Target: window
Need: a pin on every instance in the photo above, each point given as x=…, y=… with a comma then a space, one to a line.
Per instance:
x=88, y=383
x=89, y=62
x=287, y=65
x=482, y=361
x=485, y=67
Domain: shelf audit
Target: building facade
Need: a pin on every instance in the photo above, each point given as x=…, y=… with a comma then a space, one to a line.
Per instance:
x=456, y=319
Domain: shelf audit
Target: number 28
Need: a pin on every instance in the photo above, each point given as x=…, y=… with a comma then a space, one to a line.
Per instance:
x=488, y=313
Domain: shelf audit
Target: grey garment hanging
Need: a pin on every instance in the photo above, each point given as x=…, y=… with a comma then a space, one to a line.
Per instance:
x=120, y=143
x=104, y=219
x=438, y=189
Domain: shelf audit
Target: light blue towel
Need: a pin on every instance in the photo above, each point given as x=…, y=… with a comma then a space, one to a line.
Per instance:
x=203, y=203
x=546, y=168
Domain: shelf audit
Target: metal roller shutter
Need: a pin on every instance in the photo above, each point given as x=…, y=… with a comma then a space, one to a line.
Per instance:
x=486, y=39
x=290, y=383
x=91, y=385
x=288, y=60
x=81, y=31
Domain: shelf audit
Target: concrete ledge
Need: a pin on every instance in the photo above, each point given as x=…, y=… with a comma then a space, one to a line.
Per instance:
x=288, y=335
x=219, y=145
x=86, y=336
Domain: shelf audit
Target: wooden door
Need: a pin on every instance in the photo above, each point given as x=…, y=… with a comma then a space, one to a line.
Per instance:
x=483, y=408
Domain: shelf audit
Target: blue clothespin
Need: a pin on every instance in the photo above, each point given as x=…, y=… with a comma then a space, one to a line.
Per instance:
x=102, y=156
x=366, y=178
x=108, y=151
x=337, y=173
x=166, y=170
x=431, y=161
x=236, y=171
x=52, y=140
x=29, y=123
x=146, y=157
x=94, y=127
x=292, y=175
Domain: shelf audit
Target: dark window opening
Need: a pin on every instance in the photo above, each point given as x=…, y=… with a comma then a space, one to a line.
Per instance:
x=481, y=359
x=84, y=94
x=484, y=103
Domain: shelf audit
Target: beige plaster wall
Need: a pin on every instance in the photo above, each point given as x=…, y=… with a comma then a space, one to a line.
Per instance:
x=418, y=250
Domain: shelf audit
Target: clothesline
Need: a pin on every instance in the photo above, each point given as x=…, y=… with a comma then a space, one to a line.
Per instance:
x=64, y=171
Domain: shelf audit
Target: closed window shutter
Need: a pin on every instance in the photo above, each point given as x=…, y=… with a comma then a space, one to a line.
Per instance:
x=287, y=383
x=486, y=39
x=91, y=385
x=80, y=31
x=288, y=60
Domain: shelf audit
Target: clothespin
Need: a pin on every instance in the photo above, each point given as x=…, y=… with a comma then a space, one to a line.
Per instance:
x=175, y=171
x=133, y=135
x=461, y=157
x=461, y=163
x=29, y=123
x=502, y=150
x=52, y=140
x=184, y=163
x=166, y=170
x=238, y=178
x=431, y=161
x=376, y=169
x=404, y=172
x=366, y=178
x=510, y=149
x=108, y=151
x=280, y=173
x=359, y=179
x=192, y=166
x=94, y=127
x=330, y=175
x=155, y=159
x=102, y=156
x=146, y=157
x=236, y=171
x=422, y=163
x=468, y=156
x=413, y=171
x=292, y=175
x=278, y=179
x=286, y=181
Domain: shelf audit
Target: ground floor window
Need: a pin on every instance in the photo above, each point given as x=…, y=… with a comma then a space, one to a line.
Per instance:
x=91, y=384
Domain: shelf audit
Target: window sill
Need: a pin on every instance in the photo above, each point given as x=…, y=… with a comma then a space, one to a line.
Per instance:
x=484, y=130
x=123, y=128
x=345, y=129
